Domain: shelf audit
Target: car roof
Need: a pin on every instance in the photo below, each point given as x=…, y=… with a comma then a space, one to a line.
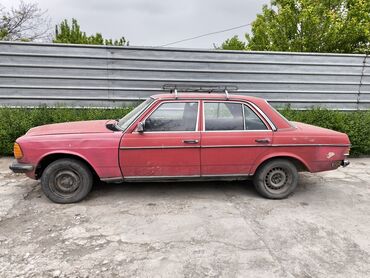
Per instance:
x=208, y=96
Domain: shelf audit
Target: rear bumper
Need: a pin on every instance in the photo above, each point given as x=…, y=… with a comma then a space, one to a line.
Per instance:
x=345, y=163
x=21, y=167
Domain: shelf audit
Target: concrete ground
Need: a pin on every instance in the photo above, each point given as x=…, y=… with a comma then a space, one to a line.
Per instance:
x=213, y=229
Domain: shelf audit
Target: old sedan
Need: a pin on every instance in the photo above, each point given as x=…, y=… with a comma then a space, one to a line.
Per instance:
x=185, y=136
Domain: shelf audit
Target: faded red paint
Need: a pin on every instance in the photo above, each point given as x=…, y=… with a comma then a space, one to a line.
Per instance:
x=117, y=154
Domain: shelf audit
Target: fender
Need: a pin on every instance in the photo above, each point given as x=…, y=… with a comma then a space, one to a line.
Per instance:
x=67, y=152
x=274, y=154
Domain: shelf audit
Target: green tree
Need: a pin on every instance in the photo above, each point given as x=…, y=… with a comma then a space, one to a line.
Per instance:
x=341, y=26
x=65, y=33
x=233, y=43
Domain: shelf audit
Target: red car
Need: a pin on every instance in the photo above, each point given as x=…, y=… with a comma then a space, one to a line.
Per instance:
x=173, y=137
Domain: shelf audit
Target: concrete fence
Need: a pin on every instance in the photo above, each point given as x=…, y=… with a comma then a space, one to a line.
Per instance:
x=32, y=74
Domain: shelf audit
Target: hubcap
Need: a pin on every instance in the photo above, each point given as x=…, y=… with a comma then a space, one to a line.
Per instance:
x=66, y=182
x=277, y=180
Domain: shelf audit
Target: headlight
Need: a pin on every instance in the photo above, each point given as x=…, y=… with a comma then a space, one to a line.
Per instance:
x=18, y=154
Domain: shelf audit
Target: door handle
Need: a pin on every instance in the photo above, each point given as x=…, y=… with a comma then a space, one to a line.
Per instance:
x=265, y=140
x=191, y=141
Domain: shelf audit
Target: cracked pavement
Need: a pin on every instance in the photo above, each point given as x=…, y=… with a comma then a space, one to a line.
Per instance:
x=211, y=229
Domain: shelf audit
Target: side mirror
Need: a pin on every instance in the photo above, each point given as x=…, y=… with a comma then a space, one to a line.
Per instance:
x=140, y=127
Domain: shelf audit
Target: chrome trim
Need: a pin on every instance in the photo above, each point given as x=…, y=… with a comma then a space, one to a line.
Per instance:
x=235, y=146
x=166, y=132
x=274, y=145
x=310, y=145
x=112, y=180
x=160, y=177
x=256, y=130
x=226, y=175
x=243, y=113
x=160, y=147
x=139, y=178
x=175, y=101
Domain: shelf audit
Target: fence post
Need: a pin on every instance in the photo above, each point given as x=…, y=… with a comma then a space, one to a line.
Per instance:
x=361, y=80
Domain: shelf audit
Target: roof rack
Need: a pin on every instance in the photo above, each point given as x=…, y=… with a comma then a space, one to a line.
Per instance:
x=175, y=88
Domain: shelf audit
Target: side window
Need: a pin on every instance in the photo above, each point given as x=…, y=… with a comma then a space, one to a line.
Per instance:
x=173, y=116
x=252, y=121
x=223, y=116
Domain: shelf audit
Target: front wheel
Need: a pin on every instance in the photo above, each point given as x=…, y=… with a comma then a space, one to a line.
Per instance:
x=276, y=179
x=66, y=181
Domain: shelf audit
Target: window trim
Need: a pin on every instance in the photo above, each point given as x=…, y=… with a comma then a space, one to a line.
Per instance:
x=175, y=101
x=269, y=126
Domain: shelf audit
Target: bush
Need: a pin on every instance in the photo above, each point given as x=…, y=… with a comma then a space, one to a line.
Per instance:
x=15, y=122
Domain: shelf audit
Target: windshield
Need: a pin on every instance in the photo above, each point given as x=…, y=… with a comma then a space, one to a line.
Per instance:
x=130, y=117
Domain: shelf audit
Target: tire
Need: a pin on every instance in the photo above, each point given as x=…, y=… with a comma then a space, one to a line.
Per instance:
x=276, y=179
x=66, y=181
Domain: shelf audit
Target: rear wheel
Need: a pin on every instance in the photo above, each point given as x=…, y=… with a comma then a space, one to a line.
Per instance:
x=66, y=181
x=276, y=179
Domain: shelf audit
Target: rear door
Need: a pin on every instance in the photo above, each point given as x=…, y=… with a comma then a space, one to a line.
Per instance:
x=169, y=145
x=233, y=136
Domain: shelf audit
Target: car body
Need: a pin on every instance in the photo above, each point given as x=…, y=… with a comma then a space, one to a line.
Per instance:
x=185, y=136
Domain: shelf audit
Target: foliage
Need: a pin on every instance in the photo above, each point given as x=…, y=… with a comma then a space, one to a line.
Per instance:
x=341, y=26
x=234, y=43
x=27, y=22
x=15, y=122
x=65, y=33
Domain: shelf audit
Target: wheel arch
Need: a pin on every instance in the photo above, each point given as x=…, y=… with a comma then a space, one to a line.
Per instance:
x=301, y=165
x=51, y=157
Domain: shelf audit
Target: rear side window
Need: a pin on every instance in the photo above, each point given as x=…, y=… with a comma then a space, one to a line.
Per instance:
x=223, y=116
x=231, y=116
x=252, y=121
x=173, y=116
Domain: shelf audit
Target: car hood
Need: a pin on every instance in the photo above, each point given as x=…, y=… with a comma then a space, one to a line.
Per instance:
x=71, y=128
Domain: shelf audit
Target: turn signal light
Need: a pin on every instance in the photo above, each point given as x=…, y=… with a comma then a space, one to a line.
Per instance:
x=17, y=151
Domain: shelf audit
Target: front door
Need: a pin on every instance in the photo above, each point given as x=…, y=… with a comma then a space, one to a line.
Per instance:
x=233, y=136
x=169, y=146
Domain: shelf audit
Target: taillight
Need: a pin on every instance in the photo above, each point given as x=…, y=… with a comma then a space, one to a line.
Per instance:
x=18, y=154
x=346, y=152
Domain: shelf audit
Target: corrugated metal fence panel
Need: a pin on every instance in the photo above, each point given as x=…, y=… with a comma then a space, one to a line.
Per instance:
x=364, y=96
x=33, y=74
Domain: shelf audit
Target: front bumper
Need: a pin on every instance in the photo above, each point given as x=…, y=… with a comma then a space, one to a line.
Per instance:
x=21, y=167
